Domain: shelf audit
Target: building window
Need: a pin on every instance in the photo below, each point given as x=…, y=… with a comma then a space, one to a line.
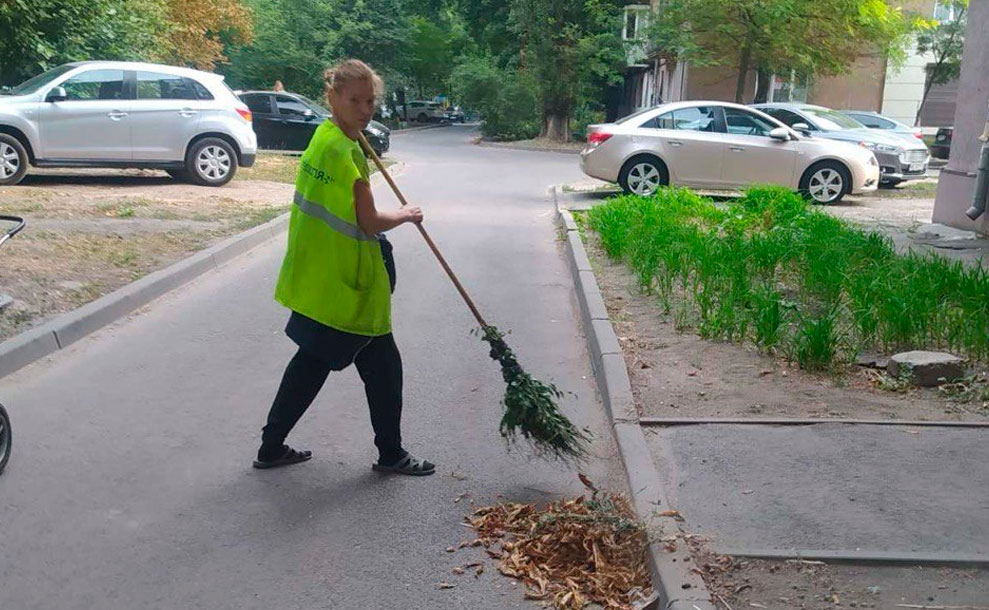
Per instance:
x=788, y=88
x=636, y=18
x=944, y=10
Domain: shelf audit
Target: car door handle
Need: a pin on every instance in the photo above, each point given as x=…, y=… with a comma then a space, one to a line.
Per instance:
x=116, y=114
x=736, y=148
x=188, y=112
x=675, y=143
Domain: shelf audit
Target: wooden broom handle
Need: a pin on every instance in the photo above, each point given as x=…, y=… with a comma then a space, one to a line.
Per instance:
x=422, y=231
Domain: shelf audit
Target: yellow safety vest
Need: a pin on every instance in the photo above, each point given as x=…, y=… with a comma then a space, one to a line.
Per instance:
x=333, y=272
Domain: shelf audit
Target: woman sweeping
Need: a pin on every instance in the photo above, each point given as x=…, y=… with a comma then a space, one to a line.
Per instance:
x=337, y=278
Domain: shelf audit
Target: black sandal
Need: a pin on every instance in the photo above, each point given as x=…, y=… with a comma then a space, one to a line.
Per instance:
x=291, y=456
x=409, y=465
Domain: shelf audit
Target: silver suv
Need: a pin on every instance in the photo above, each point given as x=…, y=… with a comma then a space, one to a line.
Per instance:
x=126, y=114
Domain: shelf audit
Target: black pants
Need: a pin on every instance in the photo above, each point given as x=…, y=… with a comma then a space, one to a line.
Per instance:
x=380, y=367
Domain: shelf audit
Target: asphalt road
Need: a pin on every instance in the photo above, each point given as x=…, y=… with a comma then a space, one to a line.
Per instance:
x=130, y=484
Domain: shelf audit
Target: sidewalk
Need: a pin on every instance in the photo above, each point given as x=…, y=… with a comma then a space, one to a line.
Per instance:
x=855, y=493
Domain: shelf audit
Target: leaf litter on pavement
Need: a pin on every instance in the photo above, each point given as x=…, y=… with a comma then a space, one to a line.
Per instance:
x=571, y=552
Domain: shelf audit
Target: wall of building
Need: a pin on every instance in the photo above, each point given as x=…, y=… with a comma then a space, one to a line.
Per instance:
x=717, y=83
x=957, y=182
x=861, y=88
x=905, y=86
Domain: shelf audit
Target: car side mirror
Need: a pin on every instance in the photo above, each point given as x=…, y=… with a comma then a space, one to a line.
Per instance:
x=803, y=128
x=57, y=94
x=780, y=133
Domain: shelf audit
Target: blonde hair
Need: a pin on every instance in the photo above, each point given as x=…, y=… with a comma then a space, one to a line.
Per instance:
x=336, y=77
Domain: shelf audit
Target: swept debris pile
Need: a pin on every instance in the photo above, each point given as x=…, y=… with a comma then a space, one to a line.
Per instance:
x=572, y=552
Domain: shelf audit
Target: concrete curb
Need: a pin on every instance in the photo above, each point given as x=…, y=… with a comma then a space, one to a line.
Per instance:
x=676, y=580
x=64, y=330
x=859, y=557
x=509, y=146
x=398, y=132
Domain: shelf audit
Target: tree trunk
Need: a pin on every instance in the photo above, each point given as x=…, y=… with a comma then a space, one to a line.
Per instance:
x=743, y=70
x=557, y=127
x=762, y=90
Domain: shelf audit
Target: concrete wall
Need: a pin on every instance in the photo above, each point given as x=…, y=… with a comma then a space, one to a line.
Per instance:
x=954, y=193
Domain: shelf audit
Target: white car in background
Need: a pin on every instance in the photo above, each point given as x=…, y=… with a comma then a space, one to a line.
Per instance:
x=126, y=114
x=723, y=146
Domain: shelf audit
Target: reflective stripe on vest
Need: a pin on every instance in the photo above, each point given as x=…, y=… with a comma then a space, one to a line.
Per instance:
x=314, y=210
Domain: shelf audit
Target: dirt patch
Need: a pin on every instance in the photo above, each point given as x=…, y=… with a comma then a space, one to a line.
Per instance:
x=92, y=231
x=678, y=374
x=810, y=585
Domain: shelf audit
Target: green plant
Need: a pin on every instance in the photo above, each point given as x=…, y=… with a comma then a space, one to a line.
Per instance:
x=770, y=269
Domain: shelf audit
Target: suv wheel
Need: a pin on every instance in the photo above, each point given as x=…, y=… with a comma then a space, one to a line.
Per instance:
x=211, y=162
x=13, y=160
x=423, y=117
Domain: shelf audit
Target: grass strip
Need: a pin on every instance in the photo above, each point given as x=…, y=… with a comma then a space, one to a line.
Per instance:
x=768, y=269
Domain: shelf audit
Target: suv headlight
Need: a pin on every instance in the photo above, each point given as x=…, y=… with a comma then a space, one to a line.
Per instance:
x=886, y=148
x=872, y=161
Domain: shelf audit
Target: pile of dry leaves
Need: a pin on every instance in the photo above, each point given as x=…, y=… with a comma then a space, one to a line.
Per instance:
x=572, y=552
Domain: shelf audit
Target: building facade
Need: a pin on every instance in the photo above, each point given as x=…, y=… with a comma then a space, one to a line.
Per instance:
x=869, y=84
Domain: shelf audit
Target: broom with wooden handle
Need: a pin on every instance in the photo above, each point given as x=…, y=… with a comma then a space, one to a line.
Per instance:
x=531, y=406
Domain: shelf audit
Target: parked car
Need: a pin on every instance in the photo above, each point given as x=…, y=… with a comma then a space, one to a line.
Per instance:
x=455, y=114
x=899, y=160
x=720, y=145
x=942, y=142
x=126, y=114
x=287, y=121
x=421, y=111
x=874, y=120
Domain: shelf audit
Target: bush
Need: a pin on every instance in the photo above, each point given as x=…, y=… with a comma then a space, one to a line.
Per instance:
x=506, y=99
x=584, y=115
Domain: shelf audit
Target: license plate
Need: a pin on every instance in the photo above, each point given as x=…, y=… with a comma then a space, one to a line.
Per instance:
x=916, y=167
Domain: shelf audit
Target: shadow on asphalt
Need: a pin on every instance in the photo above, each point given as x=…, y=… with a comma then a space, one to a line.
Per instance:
x=90, y=179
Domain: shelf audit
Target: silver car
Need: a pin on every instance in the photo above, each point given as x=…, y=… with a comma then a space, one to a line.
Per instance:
x=126, y=114
x=898, y=160
x=892, y=127
x=719, y=145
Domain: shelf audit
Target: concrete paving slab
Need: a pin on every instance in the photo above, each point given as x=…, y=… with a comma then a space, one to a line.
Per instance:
x=831, y=486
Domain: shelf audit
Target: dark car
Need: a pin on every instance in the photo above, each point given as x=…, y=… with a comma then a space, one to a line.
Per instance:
x=287, y=121
x=941, y=147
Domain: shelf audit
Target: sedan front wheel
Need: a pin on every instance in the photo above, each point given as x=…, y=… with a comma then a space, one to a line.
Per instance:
x=826, y=182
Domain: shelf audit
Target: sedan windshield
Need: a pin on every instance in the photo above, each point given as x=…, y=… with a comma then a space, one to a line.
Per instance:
x=831, y=120
x=33, y=84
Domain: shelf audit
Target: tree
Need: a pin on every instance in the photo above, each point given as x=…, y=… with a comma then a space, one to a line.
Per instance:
x=569, y=47
x=197, y=31
x=821, y=37
x=36, y=35
x=944, y=40
x=295, y=40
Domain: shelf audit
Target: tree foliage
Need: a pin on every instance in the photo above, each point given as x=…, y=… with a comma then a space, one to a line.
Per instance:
x=197, y=31
x=812, y=37
x=36, y=35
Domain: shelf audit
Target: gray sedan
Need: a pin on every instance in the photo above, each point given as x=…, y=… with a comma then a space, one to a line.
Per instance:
x=874, y=120
x=898, y=160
